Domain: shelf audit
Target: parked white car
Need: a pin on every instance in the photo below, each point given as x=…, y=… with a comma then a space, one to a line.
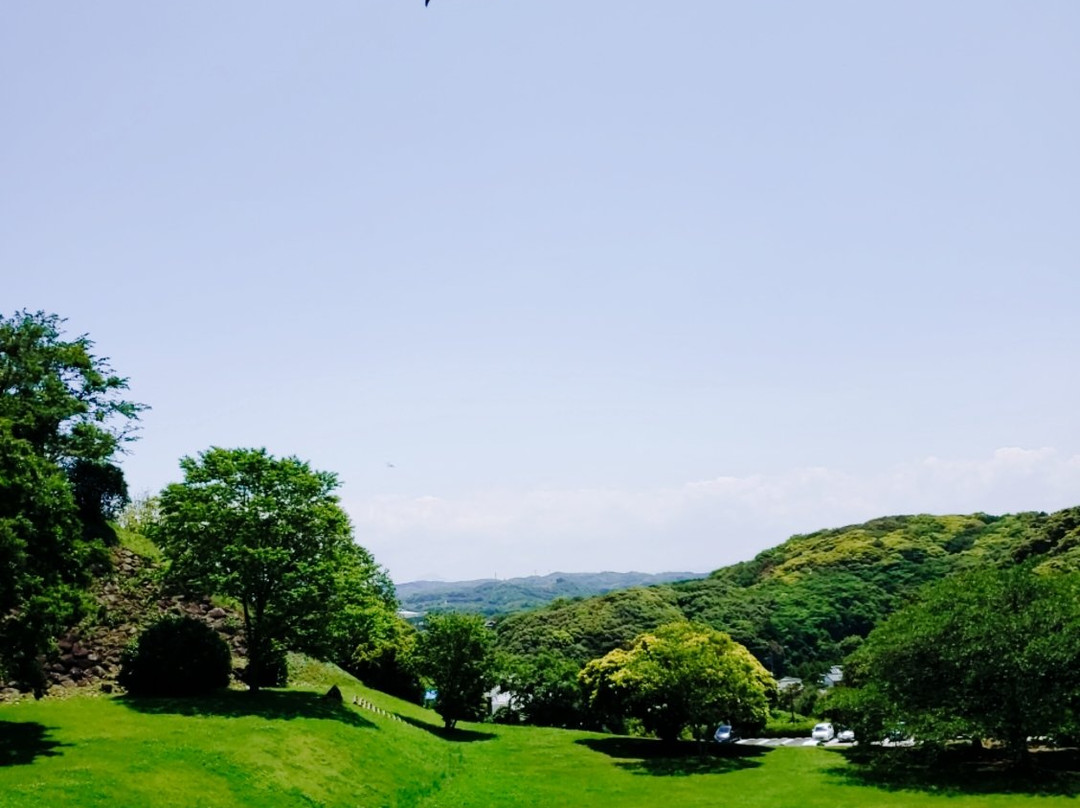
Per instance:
x=846, y=736
x=725, y=734
x=823, y=732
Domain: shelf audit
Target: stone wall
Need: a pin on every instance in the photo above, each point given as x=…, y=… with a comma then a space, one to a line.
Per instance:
x=128, y=599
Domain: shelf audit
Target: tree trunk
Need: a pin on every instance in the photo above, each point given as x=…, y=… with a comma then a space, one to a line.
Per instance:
x=254, y=643
x=1018, y=751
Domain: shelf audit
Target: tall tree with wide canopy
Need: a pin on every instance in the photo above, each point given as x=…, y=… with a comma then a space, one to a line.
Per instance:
x=992, y=653
x=681, y=675
x=62, y=422
x=455, y=654
x=270, y=533
x=544, y=688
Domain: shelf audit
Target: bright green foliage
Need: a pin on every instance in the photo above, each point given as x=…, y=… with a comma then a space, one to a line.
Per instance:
x=176, y=656
x=545, y=690
x=992, y=653
x=61, y=424
x=270, y=533
x=782, y=724
x=549, y=646
x=804, y=605
x=385, y=659
x=139, y=544
x=43, y=562
x=681, y=675
x=456, y=655
x=359, y=608
x=1056, y=542
x=585, y=629
x=59, y=396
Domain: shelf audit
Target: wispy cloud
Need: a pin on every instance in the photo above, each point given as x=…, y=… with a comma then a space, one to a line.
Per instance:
x=699, y=525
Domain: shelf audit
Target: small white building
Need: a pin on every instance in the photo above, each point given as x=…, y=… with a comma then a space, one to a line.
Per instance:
x=499, y=698
x=834, y=677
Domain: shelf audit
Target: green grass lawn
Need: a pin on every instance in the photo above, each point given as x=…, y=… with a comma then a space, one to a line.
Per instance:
x=286, y=748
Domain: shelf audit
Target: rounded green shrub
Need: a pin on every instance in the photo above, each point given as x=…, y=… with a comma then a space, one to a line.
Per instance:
x=176, y=656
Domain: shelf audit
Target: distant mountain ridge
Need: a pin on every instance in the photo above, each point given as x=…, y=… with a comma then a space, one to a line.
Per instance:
x=491, y=596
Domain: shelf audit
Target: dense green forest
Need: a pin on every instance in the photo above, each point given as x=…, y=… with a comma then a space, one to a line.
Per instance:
x=807, y=603
x=490, y=596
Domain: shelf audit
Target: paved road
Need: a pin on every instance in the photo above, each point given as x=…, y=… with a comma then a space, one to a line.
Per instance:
x=787, y=742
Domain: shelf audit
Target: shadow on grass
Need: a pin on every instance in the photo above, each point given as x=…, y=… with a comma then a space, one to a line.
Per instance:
x=957, y=772
x=457, y=734
x=269, y=704
x=652, y=757
x=23, y=743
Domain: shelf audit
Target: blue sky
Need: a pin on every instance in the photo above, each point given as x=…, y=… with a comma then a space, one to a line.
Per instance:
x=610, y=285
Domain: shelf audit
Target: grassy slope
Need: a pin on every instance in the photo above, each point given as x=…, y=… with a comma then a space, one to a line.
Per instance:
x=137, y=543
x=279, y=748
x=288, y=748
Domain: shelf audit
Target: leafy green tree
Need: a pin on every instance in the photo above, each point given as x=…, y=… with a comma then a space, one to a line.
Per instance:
x=58, y=395
x=62, y=422
x=681, y=675
x=455, y=653
x=993, y=653
x=270, y=533
x=385, y=659
x=790, y=695
x=358, y=606
x=545, y=689
x=44, y=564
x=811, y=599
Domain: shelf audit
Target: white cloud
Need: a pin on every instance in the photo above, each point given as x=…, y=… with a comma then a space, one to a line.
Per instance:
x=699, y=525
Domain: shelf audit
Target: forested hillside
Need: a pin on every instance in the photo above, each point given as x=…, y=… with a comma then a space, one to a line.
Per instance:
x=808, y=602
x=490, y=596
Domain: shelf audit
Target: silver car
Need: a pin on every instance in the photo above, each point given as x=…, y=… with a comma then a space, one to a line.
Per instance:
x=823, y=732
x=725, y=734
